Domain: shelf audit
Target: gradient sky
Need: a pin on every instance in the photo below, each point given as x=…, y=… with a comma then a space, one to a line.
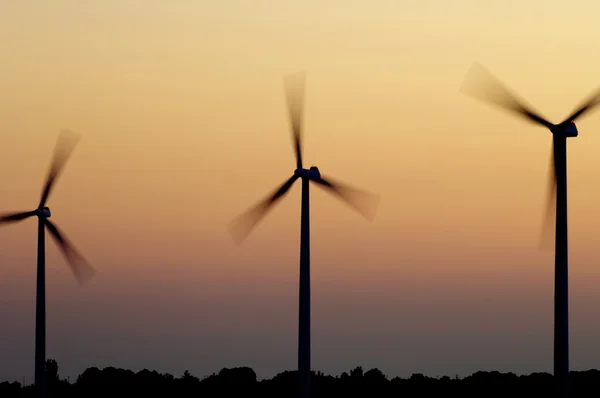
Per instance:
x=184, y=126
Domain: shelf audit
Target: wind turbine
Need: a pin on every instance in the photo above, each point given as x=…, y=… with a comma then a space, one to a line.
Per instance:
x=64, y=146
x=481, y=85
x=365, y=203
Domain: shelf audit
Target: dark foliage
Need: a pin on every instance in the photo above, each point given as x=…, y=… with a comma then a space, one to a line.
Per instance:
x=241, y=382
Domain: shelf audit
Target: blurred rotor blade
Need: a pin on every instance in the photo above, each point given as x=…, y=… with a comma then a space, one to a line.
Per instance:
x=64, y=146
x=592, y=101
x=80, y=267
x=483, y=86
x=294, y=91
x=241, y=227
x=364, y=202
x=14, y=217
x=547, y=240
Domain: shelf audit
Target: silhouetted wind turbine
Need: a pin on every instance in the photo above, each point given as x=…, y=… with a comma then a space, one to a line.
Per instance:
x=65, y=145
x=481, y=85
x=363, y=202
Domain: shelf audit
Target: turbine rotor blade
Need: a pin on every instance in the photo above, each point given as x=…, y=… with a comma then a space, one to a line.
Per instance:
x=80, y=267
x=364, y=202
x=294, y=90
x=64, y=146
x=483, y=86
x=549, y=221
x=592, y=101
x=241, y=227
x=15, y=217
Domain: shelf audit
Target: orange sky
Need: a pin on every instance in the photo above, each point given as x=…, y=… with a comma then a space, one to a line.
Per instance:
x=184, y=126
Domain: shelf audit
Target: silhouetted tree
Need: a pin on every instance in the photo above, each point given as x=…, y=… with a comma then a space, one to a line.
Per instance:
x=241, y=382
x=51, y=371
x=356, y=373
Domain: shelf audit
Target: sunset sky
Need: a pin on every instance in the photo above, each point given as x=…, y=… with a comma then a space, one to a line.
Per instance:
x=182, y=112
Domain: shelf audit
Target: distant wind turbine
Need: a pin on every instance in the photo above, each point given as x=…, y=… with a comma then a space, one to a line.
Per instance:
x=65, y=145
x=481, y=85
x=365, y=203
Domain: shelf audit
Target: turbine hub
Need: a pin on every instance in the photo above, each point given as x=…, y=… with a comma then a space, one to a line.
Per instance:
x=312, y=173
x=44, y=212
x=568, y=129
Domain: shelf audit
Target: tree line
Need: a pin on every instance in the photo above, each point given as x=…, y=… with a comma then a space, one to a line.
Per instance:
x=242, y=382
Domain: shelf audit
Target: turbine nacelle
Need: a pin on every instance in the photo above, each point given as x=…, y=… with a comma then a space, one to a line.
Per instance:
x=43, y=212
x=568, y=129
x=313, y=173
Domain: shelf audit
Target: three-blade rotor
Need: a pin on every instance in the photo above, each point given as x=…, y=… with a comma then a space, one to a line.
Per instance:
x=363, y=202
x=483, y=86
x=64, y=147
